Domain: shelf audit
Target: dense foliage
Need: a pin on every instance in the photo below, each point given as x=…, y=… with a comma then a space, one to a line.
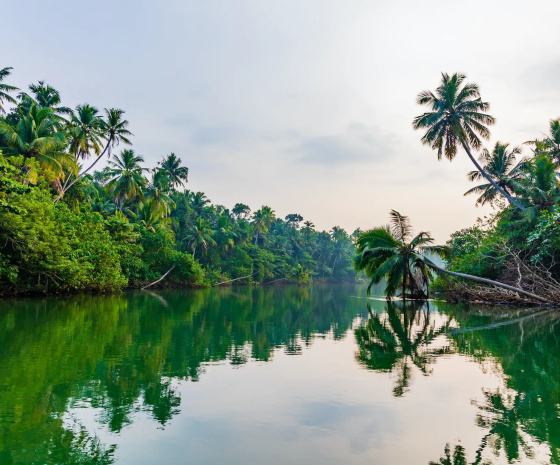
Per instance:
x=65, y=227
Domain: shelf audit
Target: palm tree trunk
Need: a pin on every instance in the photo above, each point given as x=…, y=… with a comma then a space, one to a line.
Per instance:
x=83, y=173
x=257, y=238
x=491, y=181
x=489, y=281
x=194, y=251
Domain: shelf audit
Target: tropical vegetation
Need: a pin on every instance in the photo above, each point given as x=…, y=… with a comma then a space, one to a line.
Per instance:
x=66, y=227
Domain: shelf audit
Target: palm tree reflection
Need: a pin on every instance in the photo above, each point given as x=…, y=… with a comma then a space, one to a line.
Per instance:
x=403, y=336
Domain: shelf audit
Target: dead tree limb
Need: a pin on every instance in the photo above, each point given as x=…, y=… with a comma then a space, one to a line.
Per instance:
x=160, y=279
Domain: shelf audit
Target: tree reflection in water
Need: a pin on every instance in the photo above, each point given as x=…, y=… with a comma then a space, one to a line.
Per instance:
x=404, y=335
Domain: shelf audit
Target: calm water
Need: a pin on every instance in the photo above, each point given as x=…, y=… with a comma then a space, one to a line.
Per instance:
x=286, y=375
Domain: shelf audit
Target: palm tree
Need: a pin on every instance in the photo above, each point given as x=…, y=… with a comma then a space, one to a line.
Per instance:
x=85, y=131
x=149, y=214
x=259, y=224
x=338, y=236
x=457, y=117
x=5, y=89
x=550, y=144
x=177, y=174
x=45, y=96
x=38, y=134
x=199, y=235
x=538, y=184
x=501, y=167
x=126, y=177
x=198, y=202
x=390, y=253
x=114, y=130
x=158, y=190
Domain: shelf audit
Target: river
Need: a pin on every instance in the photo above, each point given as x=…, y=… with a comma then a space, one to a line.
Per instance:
x=277, y=375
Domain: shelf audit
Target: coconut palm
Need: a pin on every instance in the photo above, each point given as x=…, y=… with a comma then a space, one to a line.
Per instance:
x=501, y=167
x=149, y=214
x=538, y=185
x=260, y=225
x=126, y=177
x=177, y=174
x=550, y=144
x=5, y=89
x=114, y=129
x=43, y=96
x=158, y=191
x=85, y=131
x=391, y=253
x=457, y=117
x=38, y=134
x=200, y=235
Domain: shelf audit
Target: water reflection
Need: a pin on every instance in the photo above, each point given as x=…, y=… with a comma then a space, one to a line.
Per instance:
x=124, y=357
x=403, y=335
x=119, y=355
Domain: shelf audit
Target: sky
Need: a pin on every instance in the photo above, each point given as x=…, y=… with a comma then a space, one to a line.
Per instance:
x=305, y=106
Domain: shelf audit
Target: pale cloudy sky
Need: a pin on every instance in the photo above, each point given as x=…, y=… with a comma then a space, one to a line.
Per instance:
x=303, y=105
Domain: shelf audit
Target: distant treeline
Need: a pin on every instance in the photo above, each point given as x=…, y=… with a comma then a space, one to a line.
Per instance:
x=66, y=227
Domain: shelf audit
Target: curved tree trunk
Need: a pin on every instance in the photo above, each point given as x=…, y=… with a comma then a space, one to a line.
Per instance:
x=83, y=173
x=491, y=181
x=489, y=281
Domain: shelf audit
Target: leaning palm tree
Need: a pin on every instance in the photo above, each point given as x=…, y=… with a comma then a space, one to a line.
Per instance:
x=127, y=180
x=5, y=89
x=39, y=135
x=178, y=175
x=501, y=167
x=391, y=253
x=114, y=129
x=457, y=117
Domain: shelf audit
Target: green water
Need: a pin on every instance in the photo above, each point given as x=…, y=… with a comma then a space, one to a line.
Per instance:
x=281, y=375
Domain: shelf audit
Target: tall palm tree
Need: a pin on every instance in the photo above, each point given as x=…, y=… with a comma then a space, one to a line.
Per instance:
x=5, y=89
x=39, y=134
x=550, y=144
x=501, y=167
x=198, y=202
x=127, y=179
x=114, y=129
x=178, y=175
x=390, y=253
x=538, y=185
x=457, y=117
x=44, y=96
x=338, y=236
x=158, y=191
x=260, y=226
x=85, y=131
x=200, y=235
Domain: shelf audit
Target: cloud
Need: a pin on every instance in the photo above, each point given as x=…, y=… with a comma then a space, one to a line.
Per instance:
x=208, y=134
x=358, y=144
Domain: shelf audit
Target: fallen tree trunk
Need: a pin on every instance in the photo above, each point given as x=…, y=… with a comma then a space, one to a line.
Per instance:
x=160, y=279
x=231, y=280
x=490, y=281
